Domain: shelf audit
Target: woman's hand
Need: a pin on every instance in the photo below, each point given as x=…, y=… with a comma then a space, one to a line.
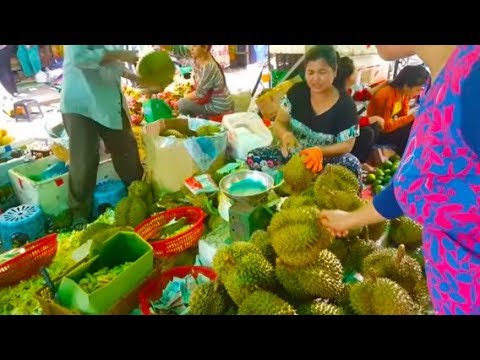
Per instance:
x=129, y=56
x=313, y=159
x=377, y=120
x=288, y=142
x=338, y=222
x=190, y=96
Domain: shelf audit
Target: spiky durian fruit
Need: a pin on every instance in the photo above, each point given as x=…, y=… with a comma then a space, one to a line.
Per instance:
x=352, y=251
x=328, y=199
x=297, y=175
x=208, y=299
x=343, y=300
x=322, y=279
x=88, y=233
x=227, y=257
x=418, y=255
x=262, y=241
x=381, y=296
x=297, y=201
x=337, y=177
x=143, y=190
x=394, y=264
x=310, y=192
x=375, y=231
x=284, y=189
x=265, y=303
x=254, y=269
x=297, y=235
x=243, y=269
x=422, y=297
x=320, y=307
x=130, y=211
x=407, y=232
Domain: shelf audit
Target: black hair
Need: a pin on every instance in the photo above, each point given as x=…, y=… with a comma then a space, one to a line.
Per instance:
x=209, y=47
x=324, y=52
x=411, y=76
x=345, y=69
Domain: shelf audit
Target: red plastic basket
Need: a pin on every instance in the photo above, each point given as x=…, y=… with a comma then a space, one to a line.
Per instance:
x=153, y=290
x=38, y=253
x=176, y=244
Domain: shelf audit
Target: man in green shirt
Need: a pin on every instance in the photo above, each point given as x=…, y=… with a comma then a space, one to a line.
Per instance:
x=93, y=107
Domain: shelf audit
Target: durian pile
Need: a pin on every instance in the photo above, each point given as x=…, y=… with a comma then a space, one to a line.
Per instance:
x=136, y=207
x=297, y=267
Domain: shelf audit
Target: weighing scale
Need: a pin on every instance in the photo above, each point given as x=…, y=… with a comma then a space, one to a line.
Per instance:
x=248, y=191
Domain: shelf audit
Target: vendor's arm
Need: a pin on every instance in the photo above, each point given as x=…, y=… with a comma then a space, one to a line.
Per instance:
x=382, y=105
x=338, y=149
x=85, y=57
x=190, y=96
x=386, y=203
x=281, y=125
x=384, y=206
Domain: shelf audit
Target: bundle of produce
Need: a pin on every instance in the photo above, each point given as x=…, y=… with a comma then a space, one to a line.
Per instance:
x=205, y=130
x=379, y=178
x=92, y=282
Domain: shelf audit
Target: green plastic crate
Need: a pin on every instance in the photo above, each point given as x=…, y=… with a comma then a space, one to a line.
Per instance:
x=120, y=248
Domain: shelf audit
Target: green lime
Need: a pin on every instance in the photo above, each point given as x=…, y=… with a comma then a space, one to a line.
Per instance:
x=371, y=178
x=378, y=182
x=388, y=171
x=379, y=173
x=386, y=180
x=378, y=189
x=387, y=164
x=394, y=158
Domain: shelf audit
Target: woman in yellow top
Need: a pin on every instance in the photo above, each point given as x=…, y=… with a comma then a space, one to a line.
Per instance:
x=391, y=102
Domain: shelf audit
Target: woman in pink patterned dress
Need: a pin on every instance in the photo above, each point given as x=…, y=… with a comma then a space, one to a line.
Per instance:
x=438, y=181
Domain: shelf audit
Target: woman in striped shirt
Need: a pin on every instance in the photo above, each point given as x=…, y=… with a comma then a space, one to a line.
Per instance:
x=211, y=95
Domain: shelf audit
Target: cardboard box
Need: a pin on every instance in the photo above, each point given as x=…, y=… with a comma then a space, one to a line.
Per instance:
x=120, y=248
x=169, y=161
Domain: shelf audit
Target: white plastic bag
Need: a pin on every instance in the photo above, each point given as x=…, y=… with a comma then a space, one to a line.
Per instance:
x=246, y=131
x=41, y=77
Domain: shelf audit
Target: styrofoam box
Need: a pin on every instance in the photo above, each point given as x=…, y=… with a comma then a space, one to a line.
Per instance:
x=51, y=195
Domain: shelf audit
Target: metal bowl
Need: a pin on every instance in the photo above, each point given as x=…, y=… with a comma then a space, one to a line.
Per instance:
x=253, y=199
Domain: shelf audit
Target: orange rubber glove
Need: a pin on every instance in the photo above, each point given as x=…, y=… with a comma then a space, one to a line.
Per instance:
x=313, y=159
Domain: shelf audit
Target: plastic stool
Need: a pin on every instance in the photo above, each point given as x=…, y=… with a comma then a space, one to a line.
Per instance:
x=24, y=110
x=107, y=194
x=23, y=223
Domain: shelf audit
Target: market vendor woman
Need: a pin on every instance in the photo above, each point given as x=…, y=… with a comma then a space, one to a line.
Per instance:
x=315, y=117
x=211, y=95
